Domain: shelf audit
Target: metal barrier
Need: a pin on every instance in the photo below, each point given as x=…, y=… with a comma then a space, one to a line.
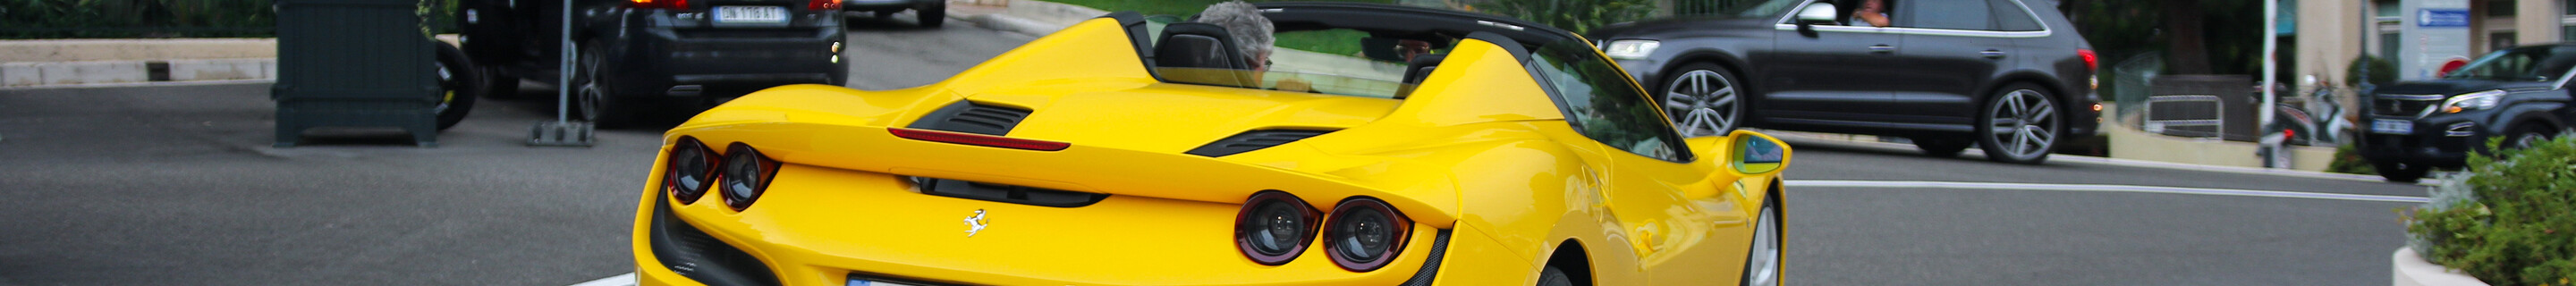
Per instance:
x=2196, y=116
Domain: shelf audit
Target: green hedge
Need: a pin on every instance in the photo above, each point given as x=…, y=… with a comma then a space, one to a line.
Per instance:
x=1578, y=16
x=2510, y=221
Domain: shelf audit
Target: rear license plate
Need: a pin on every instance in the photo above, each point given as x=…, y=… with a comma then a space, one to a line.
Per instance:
x=2392, y=126
x=751, y=15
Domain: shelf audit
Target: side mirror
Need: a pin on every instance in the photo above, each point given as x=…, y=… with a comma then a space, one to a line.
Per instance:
x=1755, y=154
x=1815, y=13
x=1818, y=12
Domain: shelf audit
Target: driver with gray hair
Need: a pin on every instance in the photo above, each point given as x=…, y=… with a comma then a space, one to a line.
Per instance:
x=1251, y=31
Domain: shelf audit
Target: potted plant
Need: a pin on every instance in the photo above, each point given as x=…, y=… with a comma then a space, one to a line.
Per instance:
x=2510, y=220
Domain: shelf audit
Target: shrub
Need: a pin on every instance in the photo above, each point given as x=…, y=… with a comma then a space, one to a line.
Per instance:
x=2510, y=221
x=2347, y=160
x=2382, y=71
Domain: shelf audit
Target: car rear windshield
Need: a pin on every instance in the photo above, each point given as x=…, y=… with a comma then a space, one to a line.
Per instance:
x=2542, y=63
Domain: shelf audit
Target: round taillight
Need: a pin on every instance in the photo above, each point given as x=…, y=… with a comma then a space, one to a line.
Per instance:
x=1274, y=227
x=746, y=174
x=1364, y=234
x=692, y=170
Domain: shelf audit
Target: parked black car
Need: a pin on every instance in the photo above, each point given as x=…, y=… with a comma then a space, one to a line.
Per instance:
x=642, y=58
x=2012, y=78
x=930, y=13
x=2519, y=93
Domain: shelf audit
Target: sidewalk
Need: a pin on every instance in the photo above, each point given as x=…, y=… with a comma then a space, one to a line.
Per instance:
x=118, y=62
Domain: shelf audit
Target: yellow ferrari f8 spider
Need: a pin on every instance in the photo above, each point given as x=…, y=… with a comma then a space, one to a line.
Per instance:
x=1135, y=150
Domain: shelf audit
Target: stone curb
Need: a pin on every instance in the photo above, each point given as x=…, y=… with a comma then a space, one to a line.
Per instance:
x=46, y=74
x=2412, y=270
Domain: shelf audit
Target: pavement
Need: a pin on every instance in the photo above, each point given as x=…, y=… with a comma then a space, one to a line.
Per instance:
x=163, y=184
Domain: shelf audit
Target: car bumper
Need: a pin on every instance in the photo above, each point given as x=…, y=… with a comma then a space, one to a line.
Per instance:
x=678, y=58
x=872, y=226
x=2442, y=141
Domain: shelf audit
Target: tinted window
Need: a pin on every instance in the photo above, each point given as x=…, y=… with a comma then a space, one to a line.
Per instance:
x=2541, y=63
x=2010, y=17
x=1600, y=102
x=1952, y=14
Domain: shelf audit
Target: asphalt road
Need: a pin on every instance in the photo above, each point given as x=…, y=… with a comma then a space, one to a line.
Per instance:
x=178, y=185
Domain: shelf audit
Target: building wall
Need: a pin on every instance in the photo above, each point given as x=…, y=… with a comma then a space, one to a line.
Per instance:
x=2331, y=34
x=2539, y=21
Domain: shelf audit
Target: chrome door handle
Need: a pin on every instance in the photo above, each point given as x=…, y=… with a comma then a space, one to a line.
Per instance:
x=1882, y=49
x=1992, y=54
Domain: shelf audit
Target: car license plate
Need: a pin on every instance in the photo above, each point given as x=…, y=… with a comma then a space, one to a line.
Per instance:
x=751, y=15
x=2392, y=126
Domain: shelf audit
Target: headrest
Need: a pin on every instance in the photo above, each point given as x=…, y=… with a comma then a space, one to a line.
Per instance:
x=1197, y=45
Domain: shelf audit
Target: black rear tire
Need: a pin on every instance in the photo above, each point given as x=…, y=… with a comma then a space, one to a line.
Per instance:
x=2036, y=125
x=1554, y=277
x=933, y=16
x=2400, y=172
x=458, y=84
x=596, y=98
x=2527, y=135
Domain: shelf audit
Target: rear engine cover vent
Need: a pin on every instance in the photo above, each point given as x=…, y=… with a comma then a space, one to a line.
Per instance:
x=1006, y=193
x=968, y=117
x=1253, y=140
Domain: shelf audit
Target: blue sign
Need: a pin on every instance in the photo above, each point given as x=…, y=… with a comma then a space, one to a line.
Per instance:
x=2444, y=18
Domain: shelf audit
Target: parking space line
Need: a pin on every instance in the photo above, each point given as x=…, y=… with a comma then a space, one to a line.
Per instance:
x=2098, y=188
x=627, y=279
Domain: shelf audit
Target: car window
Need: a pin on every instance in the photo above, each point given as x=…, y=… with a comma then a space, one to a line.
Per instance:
x=1602, y=104
x=2517, y=64
x=1952, y=14
x=1766, y=8
x=2011, y=17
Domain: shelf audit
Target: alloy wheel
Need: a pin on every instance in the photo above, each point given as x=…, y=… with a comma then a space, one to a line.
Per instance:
x=2022, y=124
x=588, y=91
x=1702, y=103
x=447, y=86
x=1763, y=268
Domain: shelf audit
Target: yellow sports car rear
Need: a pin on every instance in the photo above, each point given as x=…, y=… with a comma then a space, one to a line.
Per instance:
x=1100, y=156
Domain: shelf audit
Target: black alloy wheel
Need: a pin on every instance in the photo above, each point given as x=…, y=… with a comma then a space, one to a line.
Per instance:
x=2401, y=172
x=458, y=84
x=2019, y=125
x=1703, y=100
x=595, y=97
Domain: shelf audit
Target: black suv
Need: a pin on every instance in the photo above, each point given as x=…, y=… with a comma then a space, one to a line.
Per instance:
x=2519, y=93
x=657, y=57
x=2011, y=78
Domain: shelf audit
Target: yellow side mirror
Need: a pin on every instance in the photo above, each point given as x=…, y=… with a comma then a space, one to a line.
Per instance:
x=1756, y=154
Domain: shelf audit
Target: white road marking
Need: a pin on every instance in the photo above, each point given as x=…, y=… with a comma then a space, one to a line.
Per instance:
x=627, y=279
x=2098, y=188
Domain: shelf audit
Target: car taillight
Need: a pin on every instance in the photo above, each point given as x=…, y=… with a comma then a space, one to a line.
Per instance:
x=1274, y=227
x=823, y=5
x=691, y=171
x=746, y=175
x=1363, y=234
x=660, y=4
x=2090, y=62
x=977, y=139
